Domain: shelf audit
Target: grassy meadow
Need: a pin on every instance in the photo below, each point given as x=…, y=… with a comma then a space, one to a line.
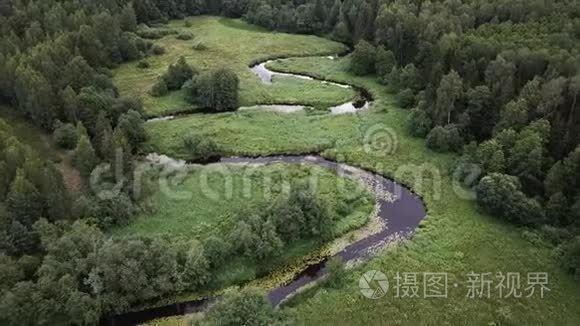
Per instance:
x=456, y=238
x=236, y=45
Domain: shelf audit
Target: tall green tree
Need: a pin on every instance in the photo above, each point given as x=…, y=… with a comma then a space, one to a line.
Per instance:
x=23, y=202
x=128, y=18
x=55, y=194
x=449, y=92
x=499, y=77
x=85, y=158
x=362, y=61
x=226, y=86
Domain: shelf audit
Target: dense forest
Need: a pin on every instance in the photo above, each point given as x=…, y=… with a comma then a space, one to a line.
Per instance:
x=496, y=81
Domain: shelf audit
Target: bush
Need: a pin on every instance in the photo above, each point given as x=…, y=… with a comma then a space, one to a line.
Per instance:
x=198, y=148
x=336, y=273
x=217, y=250
x=501, y=195
x=363, y=59
x=143, y=64
x=151, y=34
x=445, y=139
x=410, y=77
x=406, y=98
x=65, y=136
x=384, y=63
x=185, y=36
x=159, y=89
x=419, y=123
x=555, y=235
x=187, y=23
x=200, y=47
x=158, y=50
x=177, y=74
x=115, y=211
x=571, y=256
x=217, y=90
x=248, y=307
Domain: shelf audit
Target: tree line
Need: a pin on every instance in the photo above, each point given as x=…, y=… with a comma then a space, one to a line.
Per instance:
x=75, y=274
x=498, y=84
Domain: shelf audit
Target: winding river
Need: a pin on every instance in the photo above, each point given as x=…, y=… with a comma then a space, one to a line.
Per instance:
x=398, y=210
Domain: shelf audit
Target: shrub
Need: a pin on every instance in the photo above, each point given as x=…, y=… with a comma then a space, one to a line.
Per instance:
x=185, y=36
x=571, y=256
x=336, y=273
x=445, y=139
x=217, y=250
x=410, y=77
x=555, y=235
x=501, y=195
x=248, y=307
x=218, y=90
x=143, y=64
x=65, y=136
x=419, y=123
x=159, y=89
x=178, y=74
x=158, y=49
x=363, y=59
x=406, y=98
x=115, y=211
x=84, y=157
x=198, y=148
x=200, y=47
x=384, y=63
x=152, y=34
x=187, y=23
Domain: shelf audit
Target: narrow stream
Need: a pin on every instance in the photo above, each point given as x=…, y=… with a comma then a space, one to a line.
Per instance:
x=266, y=76
x=399, y=210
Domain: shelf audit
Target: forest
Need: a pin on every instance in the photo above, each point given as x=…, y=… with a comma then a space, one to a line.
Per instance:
x=493, y=84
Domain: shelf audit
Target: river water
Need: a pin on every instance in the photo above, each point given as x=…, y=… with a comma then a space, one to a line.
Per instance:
x=267, y=77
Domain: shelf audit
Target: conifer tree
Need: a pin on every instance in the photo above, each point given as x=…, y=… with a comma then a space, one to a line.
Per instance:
x=85, y=158
x=55, y=194
x=23, y=203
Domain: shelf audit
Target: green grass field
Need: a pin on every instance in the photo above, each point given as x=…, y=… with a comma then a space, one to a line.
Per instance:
x=456, y=238
x=211, y=200
x=235, y=45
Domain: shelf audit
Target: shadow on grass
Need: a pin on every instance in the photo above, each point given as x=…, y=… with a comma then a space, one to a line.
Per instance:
x=240, y=24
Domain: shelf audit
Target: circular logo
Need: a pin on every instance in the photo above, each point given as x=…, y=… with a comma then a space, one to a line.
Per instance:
x=373, y=284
